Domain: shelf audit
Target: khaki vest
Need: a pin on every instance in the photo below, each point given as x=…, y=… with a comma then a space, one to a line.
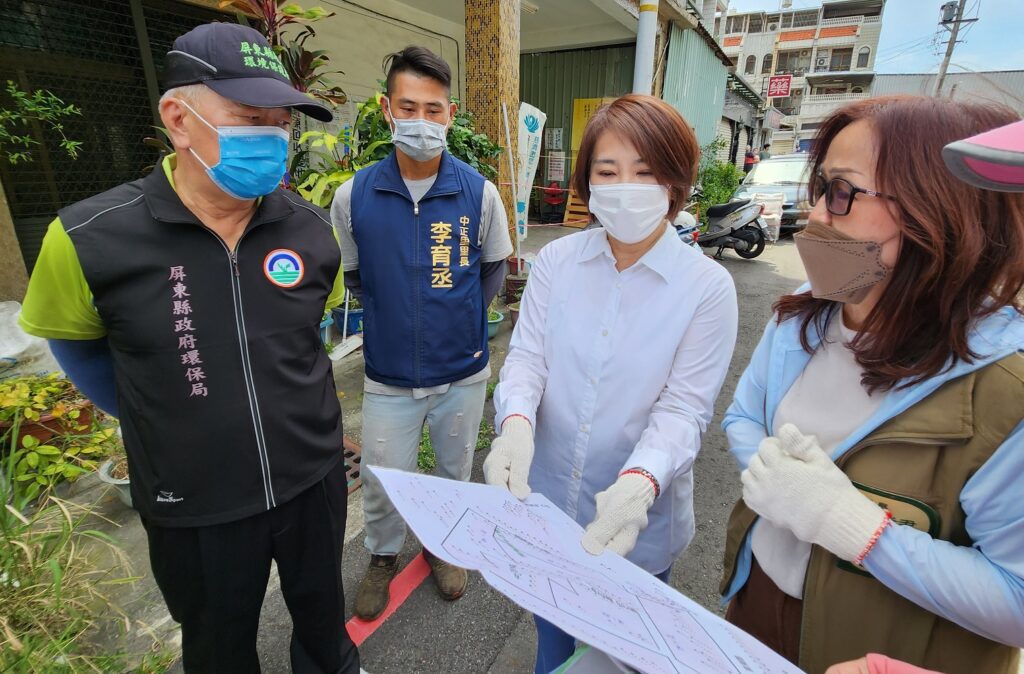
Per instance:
x=916, y=464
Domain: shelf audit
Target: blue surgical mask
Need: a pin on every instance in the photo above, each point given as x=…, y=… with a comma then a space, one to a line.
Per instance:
x=420, y=139
x=252, y=158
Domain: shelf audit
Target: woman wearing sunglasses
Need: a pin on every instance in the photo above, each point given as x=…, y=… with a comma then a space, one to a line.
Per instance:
x=879, y=423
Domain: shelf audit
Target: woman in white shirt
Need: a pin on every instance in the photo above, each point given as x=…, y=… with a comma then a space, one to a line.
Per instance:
x=621, y=348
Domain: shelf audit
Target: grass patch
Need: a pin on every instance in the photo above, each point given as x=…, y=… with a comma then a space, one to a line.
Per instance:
x=426, y=460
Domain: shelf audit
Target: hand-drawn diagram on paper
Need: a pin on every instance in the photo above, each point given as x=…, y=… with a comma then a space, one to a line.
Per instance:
x=530, y=552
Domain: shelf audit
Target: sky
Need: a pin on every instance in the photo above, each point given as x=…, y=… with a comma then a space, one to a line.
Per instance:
x=913, y=42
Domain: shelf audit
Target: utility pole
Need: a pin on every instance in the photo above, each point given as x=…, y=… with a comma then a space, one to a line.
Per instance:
x=947, y=19
x=646, y=35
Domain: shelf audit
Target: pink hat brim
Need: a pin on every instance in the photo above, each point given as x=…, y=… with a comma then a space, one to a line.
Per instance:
x=991, y=160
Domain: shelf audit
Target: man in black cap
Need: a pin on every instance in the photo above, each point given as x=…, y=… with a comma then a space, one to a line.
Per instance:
x=188, y=304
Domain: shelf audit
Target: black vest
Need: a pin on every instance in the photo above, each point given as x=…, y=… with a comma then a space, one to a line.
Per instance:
x=226, y=394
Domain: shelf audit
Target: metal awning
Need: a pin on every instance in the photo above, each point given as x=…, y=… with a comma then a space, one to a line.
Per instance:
x=744, y=90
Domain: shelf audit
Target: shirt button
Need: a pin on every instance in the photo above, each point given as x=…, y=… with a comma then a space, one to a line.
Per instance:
x=593, y=381
x=576, y=474
x=604, y=333
x=585, y=428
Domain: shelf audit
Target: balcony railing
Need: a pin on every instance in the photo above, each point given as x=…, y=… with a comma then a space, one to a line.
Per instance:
x=832, y=98
x=845, y=21
x=821, y=105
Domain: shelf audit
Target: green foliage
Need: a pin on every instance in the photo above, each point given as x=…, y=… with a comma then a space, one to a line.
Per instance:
x=334, y=159
x=718, y=179
x=425, y=458
x=485, y=436
x=74, y=449
x=474, y=148
x=306, y=69
x=52, y=590
x=38, y=467
x=34, y=396
x=491, y=385
x=38, y=107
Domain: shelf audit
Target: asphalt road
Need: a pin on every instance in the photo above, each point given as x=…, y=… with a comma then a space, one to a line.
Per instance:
x=483, y=631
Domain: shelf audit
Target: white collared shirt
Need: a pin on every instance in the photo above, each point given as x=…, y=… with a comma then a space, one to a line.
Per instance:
x=620, y=370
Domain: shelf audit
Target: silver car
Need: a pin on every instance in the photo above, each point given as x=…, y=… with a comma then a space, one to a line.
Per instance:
x=788, y=174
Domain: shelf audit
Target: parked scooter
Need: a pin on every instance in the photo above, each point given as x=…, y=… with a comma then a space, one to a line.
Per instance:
x=737, y=225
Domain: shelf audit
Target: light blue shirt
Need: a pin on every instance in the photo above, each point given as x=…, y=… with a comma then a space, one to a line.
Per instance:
x=980, y=588
x=620, y=370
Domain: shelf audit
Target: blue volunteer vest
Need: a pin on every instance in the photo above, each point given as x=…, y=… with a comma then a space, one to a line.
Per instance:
x=424, y=319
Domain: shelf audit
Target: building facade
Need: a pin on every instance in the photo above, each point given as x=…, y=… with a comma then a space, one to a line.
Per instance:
x=828, y=50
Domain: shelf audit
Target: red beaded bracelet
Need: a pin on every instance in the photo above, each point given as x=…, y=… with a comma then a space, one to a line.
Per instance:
x=521, y=416
x=645, y=473
x=886, y=521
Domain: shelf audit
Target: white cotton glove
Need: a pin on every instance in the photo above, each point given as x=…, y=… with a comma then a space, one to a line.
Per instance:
x=793, y=483
x=508, y=464
x=621, y=515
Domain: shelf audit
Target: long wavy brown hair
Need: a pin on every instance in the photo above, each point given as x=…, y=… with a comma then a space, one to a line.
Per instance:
x=962, y=255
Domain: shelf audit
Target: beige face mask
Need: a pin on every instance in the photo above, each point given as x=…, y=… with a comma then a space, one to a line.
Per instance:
x=840, y=268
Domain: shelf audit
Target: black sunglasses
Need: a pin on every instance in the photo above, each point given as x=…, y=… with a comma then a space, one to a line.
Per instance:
x=839, y=194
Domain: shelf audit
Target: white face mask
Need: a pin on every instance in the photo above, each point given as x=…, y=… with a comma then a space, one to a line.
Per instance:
x=629, y=212
x=419, y=139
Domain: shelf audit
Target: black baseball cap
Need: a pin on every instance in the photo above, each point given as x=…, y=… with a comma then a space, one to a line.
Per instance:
x=238, y=63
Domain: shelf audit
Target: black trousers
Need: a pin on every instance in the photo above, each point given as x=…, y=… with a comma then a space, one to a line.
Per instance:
x=214, y=579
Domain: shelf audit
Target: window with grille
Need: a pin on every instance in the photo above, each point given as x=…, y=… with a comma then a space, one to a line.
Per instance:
x=751, y=64
x=766, y=65
x=756, y=24
x=88, y=54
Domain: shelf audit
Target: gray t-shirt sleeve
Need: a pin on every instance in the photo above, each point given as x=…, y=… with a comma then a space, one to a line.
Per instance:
x=495, y=242
x=341, y=217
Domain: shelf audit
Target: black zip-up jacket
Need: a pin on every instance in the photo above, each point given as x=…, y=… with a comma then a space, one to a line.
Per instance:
x=226, y=394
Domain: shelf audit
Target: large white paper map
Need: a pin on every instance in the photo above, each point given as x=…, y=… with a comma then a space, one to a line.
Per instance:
x=530, y=552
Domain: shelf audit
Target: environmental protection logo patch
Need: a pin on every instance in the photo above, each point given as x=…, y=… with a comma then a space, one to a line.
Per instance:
x=283, y=268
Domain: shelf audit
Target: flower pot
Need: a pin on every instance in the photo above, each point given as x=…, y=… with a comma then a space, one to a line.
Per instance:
x=355, y=319
x=513, y=312
x=122, y=487
x=494, y=324
x=514, y=285
x=49, y=425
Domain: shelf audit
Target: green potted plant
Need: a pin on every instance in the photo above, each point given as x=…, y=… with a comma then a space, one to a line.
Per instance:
x=494, y=319
x=44, y=406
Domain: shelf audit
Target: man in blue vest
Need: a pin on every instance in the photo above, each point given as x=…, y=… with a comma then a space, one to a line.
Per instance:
x=424, y=238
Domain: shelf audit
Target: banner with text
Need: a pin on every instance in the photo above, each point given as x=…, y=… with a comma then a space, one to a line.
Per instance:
x=531, y=127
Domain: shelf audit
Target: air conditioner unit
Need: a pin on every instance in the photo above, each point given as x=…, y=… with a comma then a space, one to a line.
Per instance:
x=805, y=52
x=821, y=62
x=772, y=27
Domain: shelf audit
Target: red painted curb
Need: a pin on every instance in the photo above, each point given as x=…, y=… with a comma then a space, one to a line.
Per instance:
x=408, y=579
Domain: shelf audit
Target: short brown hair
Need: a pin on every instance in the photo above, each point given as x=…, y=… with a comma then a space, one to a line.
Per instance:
x=962, y=256
x=658, y=132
